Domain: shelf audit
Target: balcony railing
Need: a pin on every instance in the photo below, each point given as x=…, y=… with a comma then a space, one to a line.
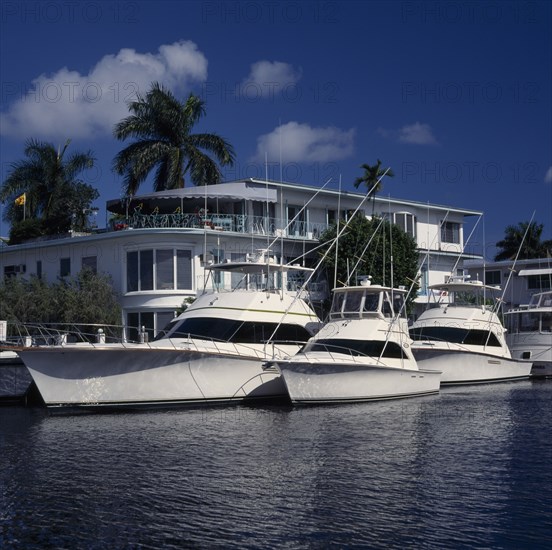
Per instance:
x=238, y=223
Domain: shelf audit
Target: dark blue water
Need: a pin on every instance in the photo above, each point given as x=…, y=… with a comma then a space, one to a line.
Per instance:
x=469, y=468
x=14, y=381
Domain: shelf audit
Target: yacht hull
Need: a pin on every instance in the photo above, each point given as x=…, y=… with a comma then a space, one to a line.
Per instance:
x=95, y=377
x=461, y=367
x=319, y=382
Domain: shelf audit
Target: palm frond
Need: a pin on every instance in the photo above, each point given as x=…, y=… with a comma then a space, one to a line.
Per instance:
x=159, y=117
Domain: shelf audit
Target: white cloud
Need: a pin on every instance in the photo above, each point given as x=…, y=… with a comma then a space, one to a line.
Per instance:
x=269, y=78
x=296, y=142
x=548, y=176
x=417, y=134
x=69, y=104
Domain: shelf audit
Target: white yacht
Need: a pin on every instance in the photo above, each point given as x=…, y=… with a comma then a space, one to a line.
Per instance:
x=529, y=333
x=362, y=353
x=212, y=353
x=461, y=335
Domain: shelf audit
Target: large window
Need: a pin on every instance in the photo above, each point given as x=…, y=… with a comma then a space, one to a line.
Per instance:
x=539, y=282
x=407, y=222
x=146, y=270
x=296, y=220
x=64, y=267
x=344, y=215
x=493, y=277
x=165, y=269
x=183, y=269
x=90, y=262
x=450, y=232
x=424, y=281
x=13, y=270
x=162, y=269
x=135, y=322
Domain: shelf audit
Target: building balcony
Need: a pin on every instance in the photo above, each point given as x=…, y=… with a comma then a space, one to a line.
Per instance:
x=237, y=223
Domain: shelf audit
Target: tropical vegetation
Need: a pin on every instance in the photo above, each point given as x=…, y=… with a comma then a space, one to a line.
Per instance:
x=161, y=126
x=86, y=299
x=44, y=194
x=371, y=179
x=365, y=248
x=523, y=241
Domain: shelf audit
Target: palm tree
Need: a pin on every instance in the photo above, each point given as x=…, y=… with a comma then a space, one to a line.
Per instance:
x=50, y=183
x=162, y=128
x=532, y=246
x=370, y=179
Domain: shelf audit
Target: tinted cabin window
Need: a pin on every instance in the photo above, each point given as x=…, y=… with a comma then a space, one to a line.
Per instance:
x=228, y=330
x=455, y=336
x=357, y=347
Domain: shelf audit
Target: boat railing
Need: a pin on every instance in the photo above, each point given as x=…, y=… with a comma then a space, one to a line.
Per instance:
x=62, y=334
x=204, y=344
x=243, y=283
x=51, y=334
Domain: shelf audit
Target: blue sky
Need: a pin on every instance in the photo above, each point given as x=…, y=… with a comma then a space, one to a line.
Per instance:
x=455, y=96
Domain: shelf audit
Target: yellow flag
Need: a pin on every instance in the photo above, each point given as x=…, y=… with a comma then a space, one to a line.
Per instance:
x=21, y=200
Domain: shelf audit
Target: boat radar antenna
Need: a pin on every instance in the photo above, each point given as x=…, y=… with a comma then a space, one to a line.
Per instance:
x=365, y=280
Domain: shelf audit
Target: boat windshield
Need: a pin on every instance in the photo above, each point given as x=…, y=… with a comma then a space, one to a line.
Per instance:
x=530, y=321
x=370, y=348
x=463, y=298
x=472, y=337
x=541, y=300
x=229, y=330
x=361, y=302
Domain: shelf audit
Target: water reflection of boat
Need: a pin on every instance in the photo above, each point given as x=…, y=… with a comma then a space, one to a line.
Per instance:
x=461, y=335
x=363, y=353
x=213, y=352
x=529, y=333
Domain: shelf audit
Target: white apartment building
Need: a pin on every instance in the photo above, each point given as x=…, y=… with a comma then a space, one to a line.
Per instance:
x=157, y=245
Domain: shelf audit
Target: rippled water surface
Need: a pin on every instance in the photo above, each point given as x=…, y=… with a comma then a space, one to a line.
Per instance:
x=471, y=467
